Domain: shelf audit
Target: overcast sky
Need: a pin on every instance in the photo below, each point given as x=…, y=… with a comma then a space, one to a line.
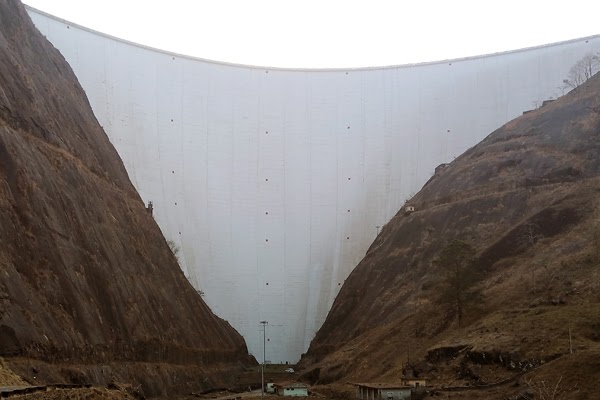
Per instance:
x=332, y=33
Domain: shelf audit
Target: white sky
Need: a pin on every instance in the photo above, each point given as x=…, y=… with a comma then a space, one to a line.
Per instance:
x=333, y=33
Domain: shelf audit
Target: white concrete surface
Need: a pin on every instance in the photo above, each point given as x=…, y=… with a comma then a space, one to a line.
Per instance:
x=272, y=181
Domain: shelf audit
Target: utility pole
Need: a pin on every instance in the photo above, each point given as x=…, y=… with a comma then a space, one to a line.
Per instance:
x=262, y=374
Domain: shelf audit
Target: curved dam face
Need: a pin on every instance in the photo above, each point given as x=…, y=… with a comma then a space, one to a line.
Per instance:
x=273, y=182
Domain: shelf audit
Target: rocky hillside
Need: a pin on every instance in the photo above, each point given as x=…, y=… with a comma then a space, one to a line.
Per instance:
x=526, y=203
x=86, y=277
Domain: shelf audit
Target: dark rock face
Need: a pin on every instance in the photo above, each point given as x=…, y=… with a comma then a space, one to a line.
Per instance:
x=85, y=273
x=528, y=199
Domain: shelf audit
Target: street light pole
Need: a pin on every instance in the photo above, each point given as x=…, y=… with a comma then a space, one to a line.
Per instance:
x=262, y=374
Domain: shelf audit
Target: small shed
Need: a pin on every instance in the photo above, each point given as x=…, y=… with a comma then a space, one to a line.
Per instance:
x=270, y=388
x=440, y=167
x=546, y=102
x=409, y=208
x=414, y=382
x=295, y=389
x=382, y=391
x=150, y=208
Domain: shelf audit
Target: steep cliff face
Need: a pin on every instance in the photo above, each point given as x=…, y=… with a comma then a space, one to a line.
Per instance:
x=86, y=275
x=527, y=199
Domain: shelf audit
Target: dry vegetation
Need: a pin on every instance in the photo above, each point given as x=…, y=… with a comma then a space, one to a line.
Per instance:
x=526, y=199
x=89, y=288
x=77, y=394
x=9, y=378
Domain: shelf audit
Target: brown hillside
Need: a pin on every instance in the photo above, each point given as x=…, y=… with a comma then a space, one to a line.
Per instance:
x=86, y=277
x=527, y=198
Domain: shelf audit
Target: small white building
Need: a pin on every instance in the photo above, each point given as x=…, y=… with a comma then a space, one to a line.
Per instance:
x=382, y=391
x=414, y=382
x=409, y=209
x=295, y=389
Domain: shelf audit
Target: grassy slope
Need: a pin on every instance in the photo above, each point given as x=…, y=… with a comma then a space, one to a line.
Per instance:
x=540, y=171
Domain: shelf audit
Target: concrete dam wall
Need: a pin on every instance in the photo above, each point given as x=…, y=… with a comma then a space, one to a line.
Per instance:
x=274, y=182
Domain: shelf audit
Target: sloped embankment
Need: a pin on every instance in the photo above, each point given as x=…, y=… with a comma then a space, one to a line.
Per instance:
x=88, y=285
x=527, y=199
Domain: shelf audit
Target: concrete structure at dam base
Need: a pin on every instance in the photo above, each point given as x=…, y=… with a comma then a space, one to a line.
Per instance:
x=274, y=182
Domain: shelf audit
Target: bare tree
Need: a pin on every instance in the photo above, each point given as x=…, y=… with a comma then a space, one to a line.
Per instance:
x=582, y=70
x=456, y=259
x=530, y=235
x=174, y=249
x=549, y=391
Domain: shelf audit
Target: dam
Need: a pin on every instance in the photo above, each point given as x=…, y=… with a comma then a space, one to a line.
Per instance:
x=273, y=182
